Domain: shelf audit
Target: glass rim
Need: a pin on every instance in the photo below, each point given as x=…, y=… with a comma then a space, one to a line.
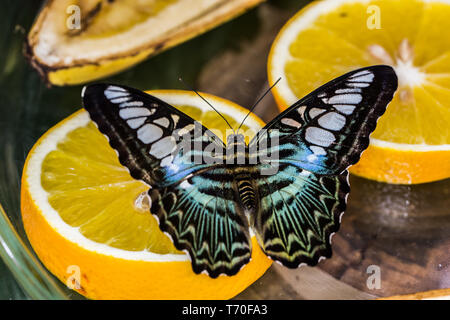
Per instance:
x=31, y=276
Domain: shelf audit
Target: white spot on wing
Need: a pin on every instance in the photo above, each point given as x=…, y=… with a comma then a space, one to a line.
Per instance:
x=305, y=173
x=314, y=112
x=185, y=130
x=319, y=136
x=136, y=123
x=332, y=121
x=318, y=150
x=115, y=94
x=116, y=88
x=291, y=122
x=134, y=113
x=358, y=84
x=163, y=147
x=365, y=78
x=120, y=99
x=167, y=161
x=175, y=119
x=149, y=133
x=344, y=108
x=350, y=98
x=301, y=110
x=131, y=104
x=348, y=90
x=185, y=184
x=164, y=122
x=311, y=157
x=361, y=73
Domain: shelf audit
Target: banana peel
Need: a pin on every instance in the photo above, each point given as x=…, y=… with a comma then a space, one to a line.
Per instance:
x=114, y=35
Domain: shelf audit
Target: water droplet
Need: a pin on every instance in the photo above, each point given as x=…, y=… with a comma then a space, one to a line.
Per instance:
x=143, y=202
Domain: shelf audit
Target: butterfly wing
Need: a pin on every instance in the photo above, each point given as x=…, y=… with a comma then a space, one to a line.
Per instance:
x=327, y=131
x=203, y=216
x=310, y=146
x=298, y=213
x=159, y=144
x=192, y=198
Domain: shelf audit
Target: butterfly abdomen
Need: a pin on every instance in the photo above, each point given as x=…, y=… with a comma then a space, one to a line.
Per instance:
x=246, y=190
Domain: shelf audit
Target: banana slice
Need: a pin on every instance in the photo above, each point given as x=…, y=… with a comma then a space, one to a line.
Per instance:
x=76, y=41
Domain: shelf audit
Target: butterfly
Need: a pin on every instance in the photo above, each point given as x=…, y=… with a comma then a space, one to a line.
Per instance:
x=292, y=203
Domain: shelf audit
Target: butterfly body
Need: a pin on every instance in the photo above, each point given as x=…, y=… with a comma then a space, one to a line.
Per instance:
x=288, y=186
x=245, y=189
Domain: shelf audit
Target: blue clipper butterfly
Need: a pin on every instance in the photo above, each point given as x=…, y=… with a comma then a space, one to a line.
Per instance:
x=209, y=207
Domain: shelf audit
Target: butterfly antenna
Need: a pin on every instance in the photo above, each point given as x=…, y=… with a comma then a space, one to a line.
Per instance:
x=256, y=103
x=192, y=89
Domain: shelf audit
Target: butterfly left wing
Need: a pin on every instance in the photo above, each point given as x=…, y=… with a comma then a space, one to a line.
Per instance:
x=192, y=198
x=298, y=213
x=159, y=144
x=327, y=131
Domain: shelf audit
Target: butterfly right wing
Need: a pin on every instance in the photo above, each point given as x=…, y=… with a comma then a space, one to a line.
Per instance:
x=302, y=183
x=297, y=214
x=159, y=144
x=192, y=198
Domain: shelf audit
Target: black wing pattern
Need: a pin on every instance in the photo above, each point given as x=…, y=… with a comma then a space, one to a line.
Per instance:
x=299, y=205
x=298, y=213
x=316, y=139
x=193, y=200
x=327, y=131
x=147, y=134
